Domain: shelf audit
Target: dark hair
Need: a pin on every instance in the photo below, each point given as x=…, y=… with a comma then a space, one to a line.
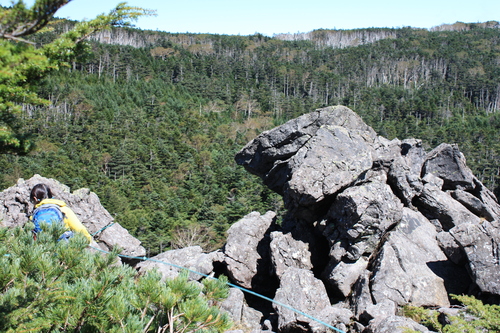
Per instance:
x=40, y=192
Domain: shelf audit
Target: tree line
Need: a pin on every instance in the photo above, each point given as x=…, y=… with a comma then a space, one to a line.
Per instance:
x=152, y=126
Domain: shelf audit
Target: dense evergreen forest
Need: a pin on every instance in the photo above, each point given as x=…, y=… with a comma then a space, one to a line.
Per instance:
x=151, y=121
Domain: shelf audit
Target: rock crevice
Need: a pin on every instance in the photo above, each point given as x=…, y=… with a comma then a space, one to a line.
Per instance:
x=402, y=225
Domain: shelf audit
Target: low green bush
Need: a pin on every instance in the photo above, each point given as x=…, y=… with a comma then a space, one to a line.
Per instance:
x=50, y=286
x=475, y=316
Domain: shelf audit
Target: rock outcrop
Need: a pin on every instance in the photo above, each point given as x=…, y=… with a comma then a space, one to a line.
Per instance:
x=372, y=224
x=385, y=223
x=15, y=210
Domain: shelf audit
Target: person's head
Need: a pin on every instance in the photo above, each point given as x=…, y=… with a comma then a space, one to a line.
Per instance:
x=40, y=192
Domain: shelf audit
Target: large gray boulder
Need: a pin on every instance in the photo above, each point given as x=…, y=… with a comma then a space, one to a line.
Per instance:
x=360, y=216
x=404, y=170
x=311, y=157
x=481, y=243
x=329, y=161
x=171, y=263
x=287, y=251
x=443, y=207
x=402, y=272
x=371, y=223
x=234, y=304
x=395, y=324
x=299, y=289
x=247, y=247
x=341, y=276
x=448, y=163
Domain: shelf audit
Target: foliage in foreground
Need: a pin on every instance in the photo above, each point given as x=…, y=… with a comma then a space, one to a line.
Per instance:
x=62, y=286
x=475, y=317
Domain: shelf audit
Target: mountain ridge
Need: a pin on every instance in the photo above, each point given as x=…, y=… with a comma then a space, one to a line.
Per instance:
x=336, y=38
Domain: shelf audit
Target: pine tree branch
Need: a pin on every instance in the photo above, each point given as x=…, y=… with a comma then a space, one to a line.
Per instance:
x=144, y=311
x=146, y=328
x=19, y=21
x=81, y=320
x=7, y=284
x=16, y=39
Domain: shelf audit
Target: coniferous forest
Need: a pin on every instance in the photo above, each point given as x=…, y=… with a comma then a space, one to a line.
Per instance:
x=151, y=121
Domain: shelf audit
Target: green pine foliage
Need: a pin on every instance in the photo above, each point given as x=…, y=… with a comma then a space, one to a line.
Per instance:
x=22, y=63
x=159, y=167
x=49, y=286
x=475, y=316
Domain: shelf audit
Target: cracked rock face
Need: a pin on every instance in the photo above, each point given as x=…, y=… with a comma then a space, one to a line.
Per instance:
x=411, y=253
x=246, y=247
x=311, y=157
x=376, y=221
x=329, y=161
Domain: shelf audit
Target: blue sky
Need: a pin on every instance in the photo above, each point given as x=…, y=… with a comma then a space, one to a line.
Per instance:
x=241, y=17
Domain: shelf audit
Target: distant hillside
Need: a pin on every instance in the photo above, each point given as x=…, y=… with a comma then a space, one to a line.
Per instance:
x=151, y=121
x=341, y=38
x=321, y=37
x=356, y=37
x=461, y=26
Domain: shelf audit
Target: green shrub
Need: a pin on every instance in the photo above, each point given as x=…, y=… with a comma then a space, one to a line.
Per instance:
x=53, y=286
x=474, y=317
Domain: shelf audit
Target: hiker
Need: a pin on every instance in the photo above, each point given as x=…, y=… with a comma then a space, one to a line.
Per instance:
x=49, y=210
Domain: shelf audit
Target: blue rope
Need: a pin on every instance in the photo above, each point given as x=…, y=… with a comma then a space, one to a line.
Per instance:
x=231, y=285
x=103, y=228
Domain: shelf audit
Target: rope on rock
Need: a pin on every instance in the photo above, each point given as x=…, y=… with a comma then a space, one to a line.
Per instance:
x=230, y=285
x=103, y=228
